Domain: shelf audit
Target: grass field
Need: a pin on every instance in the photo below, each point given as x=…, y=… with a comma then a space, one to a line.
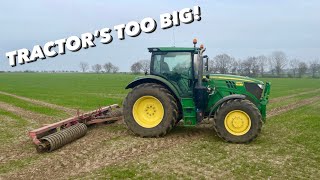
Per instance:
x=287, y=148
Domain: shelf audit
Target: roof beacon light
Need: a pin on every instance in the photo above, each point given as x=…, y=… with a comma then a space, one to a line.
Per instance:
x=195, y=41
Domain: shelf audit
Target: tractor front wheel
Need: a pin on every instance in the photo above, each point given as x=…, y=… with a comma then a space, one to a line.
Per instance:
x=150, y=110
x=238, y=121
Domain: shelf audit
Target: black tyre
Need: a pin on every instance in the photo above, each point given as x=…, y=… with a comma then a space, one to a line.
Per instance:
x=238, y=121
x=150, y=110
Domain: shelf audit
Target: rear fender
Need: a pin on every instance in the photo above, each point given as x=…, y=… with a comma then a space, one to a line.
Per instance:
x=156, y=80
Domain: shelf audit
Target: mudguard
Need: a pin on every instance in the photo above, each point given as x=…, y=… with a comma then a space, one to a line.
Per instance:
x=226, y=98
x=154, y=79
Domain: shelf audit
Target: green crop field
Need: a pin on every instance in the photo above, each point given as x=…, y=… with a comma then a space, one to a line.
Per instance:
x=287, y=148
x=85, y=91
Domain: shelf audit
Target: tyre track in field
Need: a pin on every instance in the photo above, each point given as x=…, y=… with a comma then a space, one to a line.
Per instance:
x=282, y=109
x=93, y=151
x=69, y=111
x=15, y=141
x=279, y=99
x=32, y=117
x=18, y=148
x=141, y=147
x=21, y=149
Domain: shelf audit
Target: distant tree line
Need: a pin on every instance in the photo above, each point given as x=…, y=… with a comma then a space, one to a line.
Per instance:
x=98, y=68
x=277, y=64
x=140, y=66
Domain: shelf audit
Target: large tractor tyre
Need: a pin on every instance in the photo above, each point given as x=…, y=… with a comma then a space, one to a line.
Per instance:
x=180, y=117
x=150, y=110
x=237, y=121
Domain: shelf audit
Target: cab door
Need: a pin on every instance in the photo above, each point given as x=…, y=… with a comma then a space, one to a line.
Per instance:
x=176, y=67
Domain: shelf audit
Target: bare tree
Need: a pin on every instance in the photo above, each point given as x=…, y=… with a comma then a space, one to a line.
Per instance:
x=250, y=66
x=246, y=67
x=294, y=65
x=255, y=68
x=115, y=69
x=136, y=67
x=108, y=67
x=84, y=66
x=223, y=63
x=145, y=65
x=262, y=61
x=96, y=68
x=271, y=65
x=235, y=66
x=241, y=67
x=314, y=67
x=212, y=66
x=302, y=69
x=279, y=59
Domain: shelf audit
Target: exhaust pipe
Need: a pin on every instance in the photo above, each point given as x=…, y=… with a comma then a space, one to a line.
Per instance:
x=200, y=67
x=201, y=92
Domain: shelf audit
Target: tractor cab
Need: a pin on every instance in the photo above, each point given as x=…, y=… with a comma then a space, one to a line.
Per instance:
x=175, y=65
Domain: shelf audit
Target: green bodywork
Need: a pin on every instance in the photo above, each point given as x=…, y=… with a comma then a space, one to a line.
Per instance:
x=225, y=85
x=219, y=85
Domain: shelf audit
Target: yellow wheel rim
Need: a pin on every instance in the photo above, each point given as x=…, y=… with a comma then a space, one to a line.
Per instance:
x=237, y=122
x=148, y=111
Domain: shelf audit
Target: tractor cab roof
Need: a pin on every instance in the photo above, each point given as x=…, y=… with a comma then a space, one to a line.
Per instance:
x=174, y=49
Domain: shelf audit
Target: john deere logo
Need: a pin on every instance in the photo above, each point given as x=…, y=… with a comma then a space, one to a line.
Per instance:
x=239, y=83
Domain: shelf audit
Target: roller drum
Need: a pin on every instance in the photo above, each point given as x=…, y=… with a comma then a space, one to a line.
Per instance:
x=63, y=137
x=114, y=113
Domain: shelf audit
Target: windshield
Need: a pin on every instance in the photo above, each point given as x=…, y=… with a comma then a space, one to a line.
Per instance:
x=171, y=63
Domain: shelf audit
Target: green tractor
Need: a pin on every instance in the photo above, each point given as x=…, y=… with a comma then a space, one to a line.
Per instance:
x=178, y=88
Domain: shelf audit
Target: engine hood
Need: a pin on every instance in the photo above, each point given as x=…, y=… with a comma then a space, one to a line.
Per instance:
x=234, y=78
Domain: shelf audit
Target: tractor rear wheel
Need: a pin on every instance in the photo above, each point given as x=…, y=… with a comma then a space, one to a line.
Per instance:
x=150, y=110
x=238, y=121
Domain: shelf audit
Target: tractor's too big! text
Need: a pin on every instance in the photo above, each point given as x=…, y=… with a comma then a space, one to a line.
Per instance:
x=74, y=43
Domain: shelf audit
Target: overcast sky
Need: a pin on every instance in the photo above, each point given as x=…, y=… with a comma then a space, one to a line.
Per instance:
x=239, y=28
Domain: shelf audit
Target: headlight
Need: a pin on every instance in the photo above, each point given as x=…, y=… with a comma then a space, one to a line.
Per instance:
x=261, y=86
x=254, y=88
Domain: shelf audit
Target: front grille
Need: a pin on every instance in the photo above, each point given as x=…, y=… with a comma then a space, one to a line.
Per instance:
x=231, y=84
x=254, y=89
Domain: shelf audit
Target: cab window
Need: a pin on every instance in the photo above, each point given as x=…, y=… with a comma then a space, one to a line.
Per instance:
x=171, y=63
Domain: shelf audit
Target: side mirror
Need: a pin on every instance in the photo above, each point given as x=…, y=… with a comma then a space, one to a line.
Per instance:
x=206, y=64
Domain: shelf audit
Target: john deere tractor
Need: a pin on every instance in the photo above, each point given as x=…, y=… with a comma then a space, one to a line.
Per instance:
x=179, y=87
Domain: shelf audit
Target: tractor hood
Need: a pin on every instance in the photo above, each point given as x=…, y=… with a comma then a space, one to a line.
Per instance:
x=234, y=78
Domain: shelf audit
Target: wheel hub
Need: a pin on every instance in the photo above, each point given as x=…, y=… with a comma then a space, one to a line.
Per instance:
x=237, y=122
x=148, y=111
